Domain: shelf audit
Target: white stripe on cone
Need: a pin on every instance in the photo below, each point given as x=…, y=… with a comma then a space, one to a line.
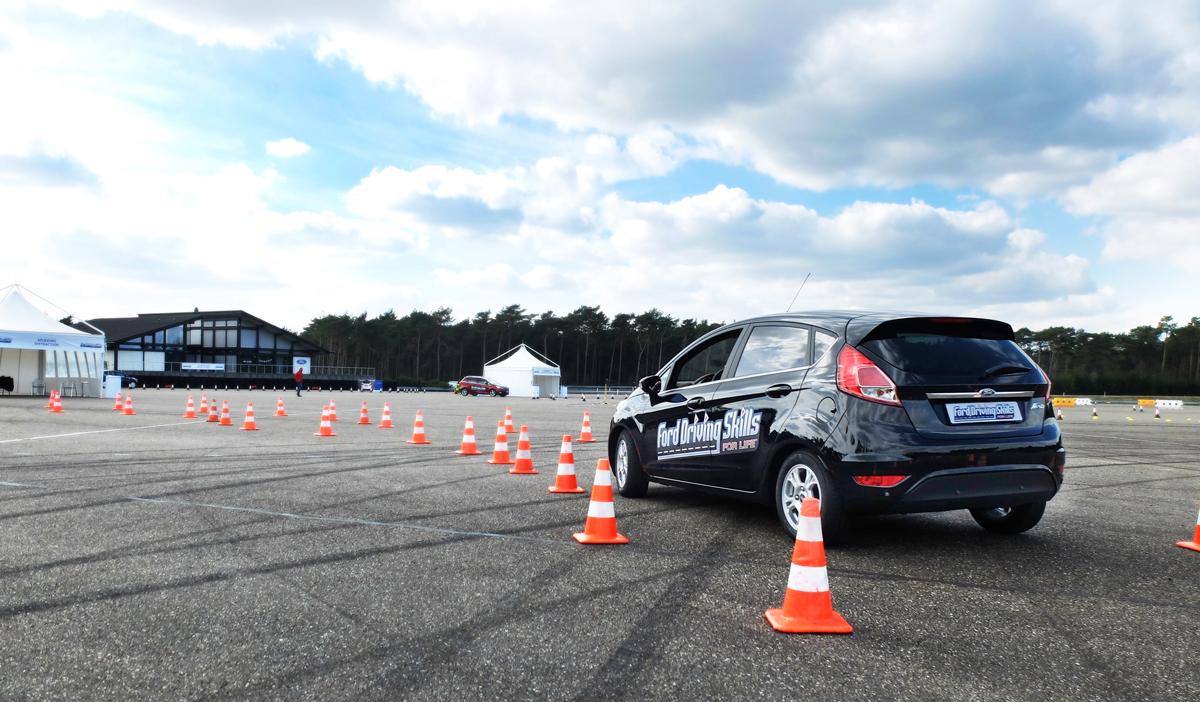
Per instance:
x=809, y=529
x=603, y=477
x=808, y=578
x=601, y=510
x=566, y=469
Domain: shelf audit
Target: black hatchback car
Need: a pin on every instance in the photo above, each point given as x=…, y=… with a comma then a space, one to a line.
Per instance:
x=870, y=412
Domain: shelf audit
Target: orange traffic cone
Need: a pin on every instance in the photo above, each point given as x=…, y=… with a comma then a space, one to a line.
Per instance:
x=212, y=412
x=500, y=455
x=128, y=411
x=280, y=411
x=585, y=432
x=326, y=428
x=385, y=422
x=524, y=464
x=203, y=405
x=601, y=524
x=56, y=401
x=118, y=406
x=807, y=604
x=332, y=410
x=190, y=411
x=248, y=423
x=1194, y=544
x=1095, y=414
x=564, y=480
x=226, y=420
x=418, y=435
x=50, y=399
x=468, y=447
x=363, y=418
x=508, y=421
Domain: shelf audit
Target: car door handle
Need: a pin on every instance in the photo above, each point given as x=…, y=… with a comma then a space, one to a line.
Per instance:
x=777, y=391
x=695, y=403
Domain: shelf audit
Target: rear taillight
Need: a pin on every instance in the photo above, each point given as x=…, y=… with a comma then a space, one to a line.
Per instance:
x=880, y=481
x=1047, y=377
x=859, y=376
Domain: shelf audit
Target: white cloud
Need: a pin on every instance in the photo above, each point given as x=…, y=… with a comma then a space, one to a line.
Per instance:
x=886, y=92
x=1148, y=206
x=286, y=148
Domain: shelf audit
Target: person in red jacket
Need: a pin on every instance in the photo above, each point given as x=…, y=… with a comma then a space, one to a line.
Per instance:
x=299, y=381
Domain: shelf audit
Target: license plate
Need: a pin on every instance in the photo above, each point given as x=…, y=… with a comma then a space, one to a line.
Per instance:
x=980, y=412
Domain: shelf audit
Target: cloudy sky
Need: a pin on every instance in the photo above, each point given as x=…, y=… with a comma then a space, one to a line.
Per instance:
x=1033, y=161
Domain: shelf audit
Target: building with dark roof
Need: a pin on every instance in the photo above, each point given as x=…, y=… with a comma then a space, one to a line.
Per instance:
x=230, y=346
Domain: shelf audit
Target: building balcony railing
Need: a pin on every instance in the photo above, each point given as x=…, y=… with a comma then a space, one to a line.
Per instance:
x=263, y=370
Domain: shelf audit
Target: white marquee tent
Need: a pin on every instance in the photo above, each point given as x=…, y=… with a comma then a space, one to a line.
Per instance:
x=525, y=372
x=39, y=353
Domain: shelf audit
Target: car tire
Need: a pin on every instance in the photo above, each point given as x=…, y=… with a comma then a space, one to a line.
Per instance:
x=1010, y=520
x=804, y=475
x=491, y=393
x=464, y=392
x=627, y=468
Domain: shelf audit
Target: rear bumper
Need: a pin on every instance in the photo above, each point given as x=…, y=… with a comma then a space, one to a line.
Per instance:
x=948, y=488
x=970, y=488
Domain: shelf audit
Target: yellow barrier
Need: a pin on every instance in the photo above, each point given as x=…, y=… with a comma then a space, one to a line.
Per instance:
x=1063, y=402
x=1146, y=403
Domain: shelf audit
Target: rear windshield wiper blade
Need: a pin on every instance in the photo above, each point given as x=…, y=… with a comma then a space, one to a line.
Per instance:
x=1006, y=369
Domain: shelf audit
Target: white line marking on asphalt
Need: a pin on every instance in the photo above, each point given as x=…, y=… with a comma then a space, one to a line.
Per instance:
x=345, y=520
x=1126, y=438
x=96, y=431
x=8, y=484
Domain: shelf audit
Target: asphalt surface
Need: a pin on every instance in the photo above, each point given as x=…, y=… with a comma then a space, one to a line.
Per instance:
x=152, y=557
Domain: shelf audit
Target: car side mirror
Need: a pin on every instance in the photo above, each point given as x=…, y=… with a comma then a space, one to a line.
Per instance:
x=651, y=385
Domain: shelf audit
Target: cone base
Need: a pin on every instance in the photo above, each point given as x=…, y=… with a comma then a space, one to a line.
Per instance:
x=317, y=433
x=834, y=623
x=129, y=414
x=522, y=471
x=565, y=491
x=469, y=453
x=225, y=424
x=1189, y=545
x=386, y=426
x=423, y=442
x=494, y=462
x=189, y=416
x=585, y=441
x=592, y=539
x=248, y=428
x=362, y=422
x=281, y=414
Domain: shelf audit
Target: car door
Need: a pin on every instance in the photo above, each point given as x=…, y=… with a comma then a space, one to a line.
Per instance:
x=678, y=436
x=762, y=388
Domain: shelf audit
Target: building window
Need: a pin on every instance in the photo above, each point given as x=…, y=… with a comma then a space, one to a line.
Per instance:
x=249, y=338
x=174, y=336
x=208, y=338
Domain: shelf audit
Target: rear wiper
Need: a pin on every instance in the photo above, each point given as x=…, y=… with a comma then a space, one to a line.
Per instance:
x=1005, y=369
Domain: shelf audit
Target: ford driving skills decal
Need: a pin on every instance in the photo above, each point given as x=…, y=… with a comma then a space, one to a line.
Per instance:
x=736, y=432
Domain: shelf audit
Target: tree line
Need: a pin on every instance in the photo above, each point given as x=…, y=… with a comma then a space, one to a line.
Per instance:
x=1160, y=359
x=431, y=348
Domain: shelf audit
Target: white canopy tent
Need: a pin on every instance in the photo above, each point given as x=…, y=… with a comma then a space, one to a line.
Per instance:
x=39, y=353
x=525, y=372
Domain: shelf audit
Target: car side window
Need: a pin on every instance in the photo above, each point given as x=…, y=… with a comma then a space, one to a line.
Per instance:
x=774, y=348
x=704, y=363
x=822, y=342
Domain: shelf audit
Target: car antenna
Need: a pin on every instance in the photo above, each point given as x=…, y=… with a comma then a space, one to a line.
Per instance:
x=797, y=295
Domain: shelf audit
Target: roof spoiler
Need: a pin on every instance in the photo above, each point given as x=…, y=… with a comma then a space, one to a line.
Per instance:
x=864, y=329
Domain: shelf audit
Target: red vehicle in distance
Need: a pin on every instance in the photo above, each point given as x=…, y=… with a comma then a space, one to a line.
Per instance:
x=478, y=385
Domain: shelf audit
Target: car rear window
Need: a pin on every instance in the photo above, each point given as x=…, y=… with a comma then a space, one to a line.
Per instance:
x=939, y=354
